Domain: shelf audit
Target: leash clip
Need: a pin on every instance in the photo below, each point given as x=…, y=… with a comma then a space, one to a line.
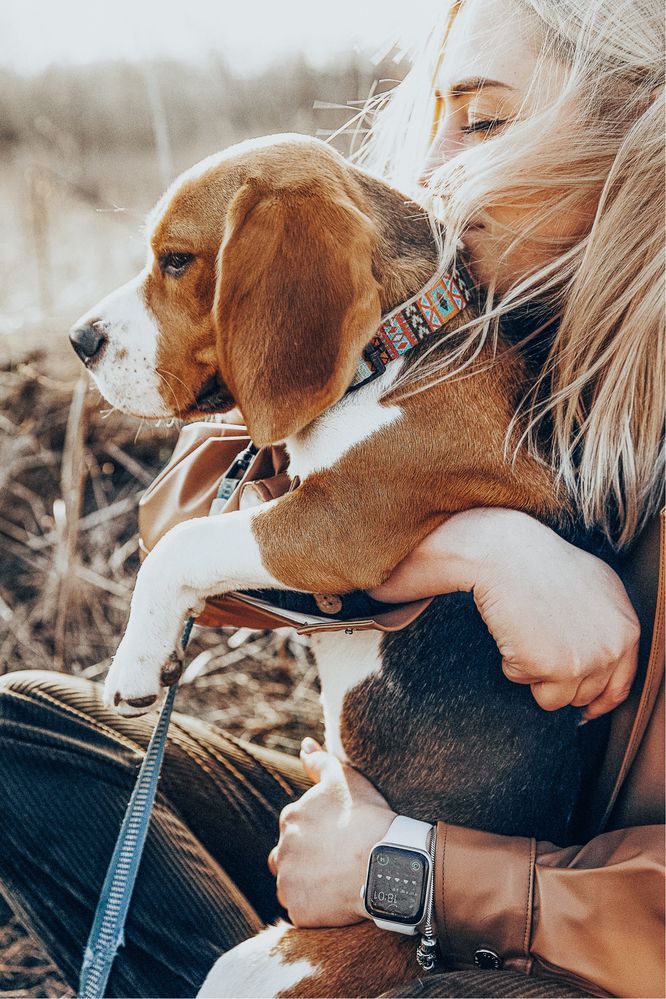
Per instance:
x=373, y=356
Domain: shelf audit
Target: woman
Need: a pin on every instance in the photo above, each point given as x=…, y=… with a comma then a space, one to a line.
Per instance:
x=545, y=163
x=545, y=160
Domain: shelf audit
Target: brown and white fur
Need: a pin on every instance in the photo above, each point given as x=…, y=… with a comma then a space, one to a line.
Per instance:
x=296, y=255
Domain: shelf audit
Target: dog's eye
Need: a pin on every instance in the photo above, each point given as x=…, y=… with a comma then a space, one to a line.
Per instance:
x=175, y=263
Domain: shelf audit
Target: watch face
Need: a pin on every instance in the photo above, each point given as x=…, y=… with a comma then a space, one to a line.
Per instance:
x=396, y=885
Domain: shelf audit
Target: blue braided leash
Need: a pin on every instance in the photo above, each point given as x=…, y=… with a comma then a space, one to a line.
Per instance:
x=107, y=934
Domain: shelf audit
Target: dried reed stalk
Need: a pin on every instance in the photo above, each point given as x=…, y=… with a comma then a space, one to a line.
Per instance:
x=67, y=524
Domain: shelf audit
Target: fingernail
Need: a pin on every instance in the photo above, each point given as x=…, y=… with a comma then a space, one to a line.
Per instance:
x=309, y=745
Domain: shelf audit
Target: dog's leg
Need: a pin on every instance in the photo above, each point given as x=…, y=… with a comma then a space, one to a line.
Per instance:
x=256, y=968
x=322, y=536
x=301, y=541
x=194, y=560
x=290, y=962
x=343, y=661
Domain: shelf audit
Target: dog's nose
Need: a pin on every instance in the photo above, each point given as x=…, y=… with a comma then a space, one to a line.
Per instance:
x=87, y=341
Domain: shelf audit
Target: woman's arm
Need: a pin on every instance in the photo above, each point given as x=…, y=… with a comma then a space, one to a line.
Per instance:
x=592, y=912
x=561, y=618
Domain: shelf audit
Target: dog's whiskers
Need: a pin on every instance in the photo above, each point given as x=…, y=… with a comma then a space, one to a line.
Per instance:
x=163, y=372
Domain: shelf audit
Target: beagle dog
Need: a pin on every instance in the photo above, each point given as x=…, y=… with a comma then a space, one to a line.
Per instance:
x=270, y=268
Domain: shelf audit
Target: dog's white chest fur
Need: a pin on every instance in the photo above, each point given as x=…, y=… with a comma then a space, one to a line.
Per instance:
x=352, y=420
x=343, y=660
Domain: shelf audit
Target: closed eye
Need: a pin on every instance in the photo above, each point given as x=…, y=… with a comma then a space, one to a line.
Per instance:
x=487, y=126
x=175, y=264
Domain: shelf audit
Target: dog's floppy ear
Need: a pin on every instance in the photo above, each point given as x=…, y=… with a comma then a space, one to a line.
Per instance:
x=295, y=303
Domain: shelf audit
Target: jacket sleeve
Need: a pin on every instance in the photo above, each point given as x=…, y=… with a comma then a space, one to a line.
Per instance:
x=593, y=914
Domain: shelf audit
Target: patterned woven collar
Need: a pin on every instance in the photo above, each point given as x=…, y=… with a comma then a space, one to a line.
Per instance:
x=423, y=315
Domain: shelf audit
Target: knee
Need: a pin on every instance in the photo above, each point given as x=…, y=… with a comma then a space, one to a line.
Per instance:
x=27, y=694
x=24, y=679
x=31, y=682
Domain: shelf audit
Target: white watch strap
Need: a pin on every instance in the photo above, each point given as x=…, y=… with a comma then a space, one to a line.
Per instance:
x=386, y=924
x=413, y=834
x=404, y=831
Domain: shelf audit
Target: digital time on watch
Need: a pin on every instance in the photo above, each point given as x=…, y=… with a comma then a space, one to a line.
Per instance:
x=397, y=885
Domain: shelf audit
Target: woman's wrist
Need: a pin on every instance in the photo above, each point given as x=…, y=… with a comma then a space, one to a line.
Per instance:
x=479, y=539
x=491, y=538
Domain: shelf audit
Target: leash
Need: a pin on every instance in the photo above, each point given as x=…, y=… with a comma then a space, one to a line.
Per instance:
x=107, y=933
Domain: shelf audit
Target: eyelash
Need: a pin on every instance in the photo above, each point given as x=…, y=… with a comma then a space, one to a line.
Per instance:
x=483, y=126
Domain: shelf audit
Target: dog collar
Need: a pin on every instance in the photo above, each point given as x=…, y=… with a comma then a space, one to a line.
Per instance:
x=421, y=316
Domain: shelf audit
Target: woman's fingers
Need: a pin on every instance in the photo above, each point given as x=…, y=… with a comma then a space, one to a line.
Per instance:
x=589, y=689
x=551, y=695
x=517, y=674
x=272, y=861
x=615, y=692
x=600, y=692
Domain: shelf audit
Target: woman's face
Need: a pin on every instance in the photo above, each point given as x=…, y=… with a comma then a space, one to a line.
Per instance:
x=485, y=81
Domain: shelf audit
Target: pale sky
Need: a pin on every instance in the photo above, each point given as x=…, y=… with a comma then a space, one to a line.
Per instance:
x=248, y=33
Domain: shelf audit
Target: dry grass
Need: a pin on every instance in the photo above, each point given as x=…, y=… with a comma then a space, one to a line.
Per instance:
x=24, y=971
x=70, y=478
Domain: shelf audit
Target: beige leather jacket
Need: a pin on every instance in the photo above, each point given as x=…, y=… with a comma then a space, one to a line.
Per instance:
x=594, y=913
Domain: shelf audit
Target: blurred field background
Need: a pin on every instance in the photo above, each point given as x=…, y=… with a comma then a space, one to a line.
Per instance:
x=86, y=147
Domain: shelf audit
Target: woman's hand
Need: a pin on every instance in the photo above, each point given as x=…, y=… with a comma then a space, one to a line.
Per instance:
x=561, y=618
x=321, y=857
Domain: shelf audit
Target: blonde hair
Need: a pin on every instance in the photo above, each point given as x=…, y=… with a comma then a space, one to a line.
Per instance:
x=601, y=390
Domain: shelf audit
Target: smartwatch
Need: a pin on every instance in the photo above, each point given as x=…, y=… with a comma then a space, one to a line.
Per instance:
x=399, y=875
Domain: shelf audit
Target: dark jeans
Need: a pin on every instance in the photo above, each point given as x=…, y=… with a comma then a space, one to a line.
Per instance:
x=68, y=765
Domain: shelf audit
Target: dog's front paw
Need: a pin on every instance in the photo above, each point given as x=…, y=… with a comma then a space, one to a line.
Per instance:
x=137, y=679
